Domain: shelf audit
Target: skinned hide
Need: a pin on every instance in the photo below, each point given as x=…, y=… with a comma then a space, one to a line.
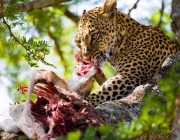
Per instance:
x=58, y=109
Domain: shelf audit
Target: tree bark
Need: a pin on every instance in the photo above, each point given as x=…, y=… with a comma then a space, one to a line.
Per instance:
x=37, y=4
x=175, y=25
x=33, y=5
x=175, y=15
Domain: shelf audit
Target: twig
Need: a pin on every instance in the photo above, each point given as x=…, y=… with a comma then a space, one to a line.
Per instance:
x=133, y=7
x=71, y=16
x=11, y=34
x=19, y=42
x=161, y=14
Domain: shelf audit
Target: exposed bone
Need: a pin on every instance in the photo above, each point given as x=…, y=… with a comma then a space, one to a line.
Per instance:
x=60, y=114
x=26, y=121
x=94, y=73
x=39, y=74
x=21, y=114
x=79, y=86
x=82, y=84
x=99, y=79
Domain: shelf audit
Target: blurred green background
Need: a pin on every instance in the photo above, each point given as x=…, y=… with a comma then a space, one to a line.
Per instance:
x=53, y=29
x=57, y=25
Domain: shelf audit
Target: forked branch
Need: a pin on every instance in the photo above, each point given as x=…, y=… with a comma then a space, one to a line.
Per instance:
x=133, y=7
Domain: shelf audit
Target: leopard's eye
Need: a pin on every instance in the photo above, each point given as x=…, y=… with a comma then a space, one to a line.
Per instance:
x=94, y=36
x=78, y=43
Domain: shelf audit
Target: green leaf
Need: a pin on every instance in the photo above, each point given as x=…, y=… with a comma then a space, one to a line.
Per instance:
x=74, y=135
x=90, y=133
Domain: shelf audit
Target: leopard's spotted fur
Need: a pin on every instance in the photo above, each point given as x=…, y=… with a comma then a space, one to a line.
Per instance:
x=136, y=51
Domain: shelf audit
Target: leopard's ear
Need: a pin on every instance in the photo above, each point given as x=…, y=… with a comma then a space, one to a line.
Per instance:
x=109, y=8
x=84, y=11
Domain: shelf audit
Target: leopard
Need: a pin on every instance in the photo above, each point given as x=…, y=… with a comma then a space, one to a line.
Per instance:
x=136, y=51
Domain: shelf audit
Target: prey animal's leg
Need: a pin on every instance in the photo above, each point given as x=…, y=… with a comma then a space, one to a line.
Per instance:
x=114, y=88
x=49, y=76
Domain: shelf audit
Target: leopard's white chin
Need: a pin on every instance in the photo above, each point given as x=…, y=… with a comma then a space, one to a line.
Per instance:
x=100, y=59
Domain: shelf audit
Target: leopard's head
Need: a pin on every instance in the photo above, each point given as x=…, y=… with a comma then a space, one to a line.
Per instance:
x=97, y=32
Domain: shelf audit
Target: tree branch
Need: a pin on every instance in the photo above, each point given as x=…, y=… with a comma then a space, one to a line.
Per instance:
x=161, y=13
x=36, y=4
x=133, y=7
x=33, y=5
x=12, y=35
x=71, y=16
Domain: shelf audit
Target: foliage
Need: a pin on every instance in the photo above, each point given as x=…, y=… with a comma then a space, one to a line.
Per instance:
x=35, y=51
x=24, y=30
x=161, y=18
x=35, y=31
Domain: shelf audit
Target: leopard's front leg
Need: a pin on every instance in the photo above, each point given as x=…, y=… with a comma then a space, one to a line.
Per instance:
x=114, y=88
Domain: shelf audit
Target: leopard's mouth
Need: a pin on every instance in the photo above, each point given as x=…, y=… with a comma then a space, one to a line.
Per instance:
x=97, y=59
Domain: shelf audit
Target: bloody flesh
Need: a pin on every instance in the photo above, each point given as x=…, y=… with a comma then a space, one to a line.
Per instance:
x=58, y=113
x=83, y=68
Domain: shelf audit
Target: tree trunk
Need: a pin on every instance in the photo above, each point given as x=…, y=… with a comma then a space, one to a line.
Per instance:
x=175, y=24
x=175, y=15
